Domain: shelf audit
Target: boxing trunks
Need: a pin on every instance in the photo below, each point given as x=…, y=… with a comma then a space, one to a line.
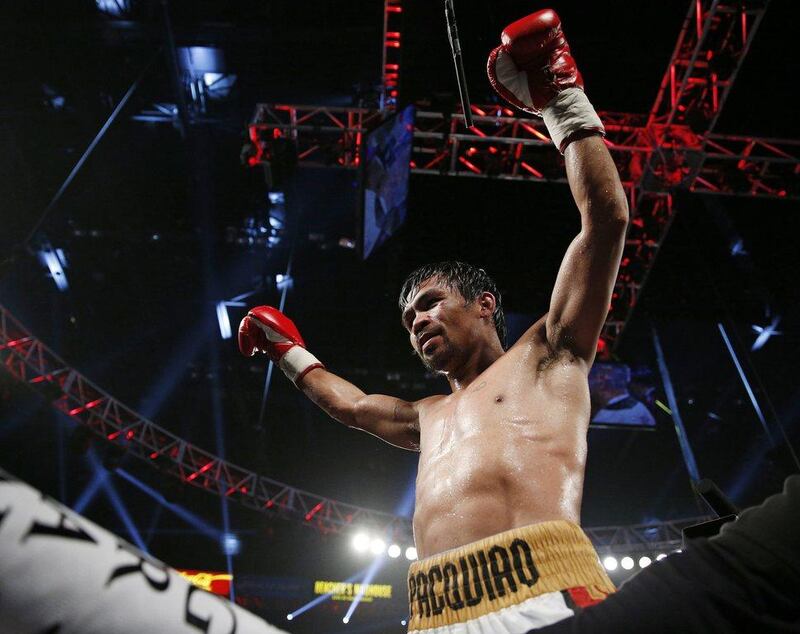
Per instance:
x=507, y=584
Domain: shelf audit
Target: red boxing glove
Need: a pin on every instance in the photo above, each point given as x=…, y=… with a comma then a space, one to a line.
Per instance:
x=534, y=70
x=266, y=329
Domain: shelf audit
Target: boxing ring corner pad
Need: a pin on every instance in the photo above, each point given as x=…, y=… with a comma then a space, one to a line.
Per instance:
x=62, y=572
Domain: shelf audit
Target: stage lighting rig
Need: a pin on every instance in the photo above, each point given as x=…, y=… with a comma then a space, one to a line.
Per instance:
x=264, y=228
x=115, y=8
x=55, y=260
x=204, y=75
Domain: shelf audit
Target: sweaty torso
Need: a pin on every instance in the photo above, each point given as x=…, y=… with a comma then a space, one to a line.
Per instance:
x=507, y=451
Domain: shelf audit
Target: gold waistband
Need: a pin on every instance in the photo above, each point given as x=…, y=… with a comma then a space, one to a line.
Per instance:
x=503, y=570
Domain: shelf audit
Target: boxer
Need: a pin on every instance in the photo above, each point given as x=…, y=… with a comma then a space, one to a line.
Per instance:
x=502, y=457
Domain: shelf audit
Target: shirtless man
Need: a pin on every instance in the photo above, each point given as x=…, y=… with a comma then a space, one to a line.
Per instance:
x=502, y=457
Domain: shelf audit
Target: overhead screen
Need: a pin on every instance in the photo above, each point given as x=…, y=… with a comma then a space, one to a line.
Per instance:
x=384, y=178
x=622, y=396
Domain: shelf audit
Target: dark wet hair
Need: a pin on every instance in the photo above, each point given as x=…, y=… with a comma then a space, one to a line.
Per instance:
x=468, y=280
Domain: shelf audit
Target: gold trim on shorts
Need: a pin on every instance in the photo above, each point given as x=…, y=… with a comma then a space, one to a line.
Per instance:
x=503, y=570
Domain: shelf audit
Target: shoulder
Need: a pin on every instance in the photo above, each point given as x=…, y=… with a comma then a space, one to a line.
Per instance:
x=429, y=402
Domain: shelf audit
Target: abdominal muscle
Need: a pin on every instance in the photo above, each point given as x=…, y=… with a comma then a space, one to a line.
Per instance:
x=485, y=469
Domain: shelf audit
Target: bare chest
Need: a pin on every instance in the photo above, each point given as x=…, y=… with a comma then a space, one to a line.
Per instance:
x=497, y=412
x=503, y=433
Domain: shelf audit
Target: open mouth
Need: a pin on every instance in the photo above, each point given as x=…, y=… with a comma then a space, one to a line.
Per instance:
x=425, y=339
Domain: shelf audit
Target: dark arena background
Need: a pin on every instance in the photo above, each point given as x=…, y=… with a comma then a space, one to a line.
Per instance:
x=168, y=164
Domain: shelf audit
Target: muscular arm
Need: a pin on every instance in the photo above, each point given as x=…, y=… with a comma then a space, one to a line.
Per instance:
x=391, y=419
x=585, y=281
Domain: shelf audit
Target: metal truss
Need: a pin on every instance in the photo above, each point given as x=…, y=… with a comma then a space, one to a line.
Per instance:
x=31, y=362
x=673, y=147
x=390, y=64
x=652, y=161
x=654, y=537
x=715, y=37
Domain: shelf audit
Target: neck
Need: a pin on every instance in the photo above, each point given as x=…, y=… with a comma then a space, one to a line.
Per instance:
x=460, y=378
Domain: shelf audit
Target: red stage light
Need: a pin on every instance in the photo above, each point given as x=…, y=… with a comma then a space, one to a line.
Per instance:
x=83, y=408
x=313, y=512
x=202, y=469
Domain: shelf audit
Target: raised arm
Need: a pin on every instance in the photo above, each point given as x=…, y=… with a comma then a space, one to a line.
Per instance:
x=534, y=70
x=267, y=330
x=585, y=281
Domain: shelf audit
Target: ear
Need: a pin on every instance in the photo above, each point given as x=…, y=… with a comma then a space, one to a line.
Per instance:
x=487, y=304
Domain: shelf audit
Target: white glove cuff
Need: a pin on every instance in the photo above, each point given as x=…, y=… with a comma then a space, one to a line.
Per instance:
x=297, y=362
x=570, y=112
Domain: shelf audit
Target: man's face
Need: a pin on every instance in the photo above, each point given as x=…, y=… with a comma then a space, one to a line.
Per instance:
x=441, y=328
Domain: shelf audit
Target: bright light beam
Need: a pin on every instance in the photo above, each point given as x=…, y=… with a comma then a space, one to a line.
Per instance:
x=216, y=405
x=321, y=598
x=122, y=511
x=268, y=379
x=90, y=490
x=376, y=565
x=680, y=430
x=765, y=332
x=118, y=504
x=224, y=321
x=190, y=518
x=746, y=383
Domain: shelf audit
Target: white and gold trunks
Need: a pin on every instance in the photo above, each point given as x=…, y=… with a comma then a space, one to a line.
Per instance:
x=507, y=584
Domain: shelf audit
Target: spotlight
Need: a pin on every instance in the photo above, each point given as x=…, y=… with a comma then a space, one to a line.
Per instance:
x=361, y=542
x=230, y=544
x=289, y=617
x=224, y=321
x=411, y=553
x=394, y=551
x=345, y=620
x=626, y=563
x=610, y=563
x=283, y=281
x=377, y=546
x=660, y=556
x=56, y=262
x=644, y=562
x=403, y=622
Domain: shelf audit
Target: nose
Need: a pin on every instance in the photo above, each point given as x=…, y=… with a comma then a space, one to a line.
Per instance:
x=421, y=320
